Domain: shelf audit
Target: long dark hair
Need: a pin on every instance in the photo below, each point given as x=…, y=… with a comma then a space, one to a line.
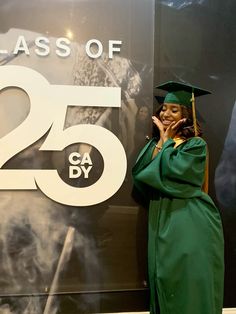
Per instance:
x=187, y=129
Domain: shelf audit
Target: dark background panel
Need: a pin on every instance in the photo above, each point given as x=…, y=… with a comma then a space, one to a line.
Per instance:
x=195, y=43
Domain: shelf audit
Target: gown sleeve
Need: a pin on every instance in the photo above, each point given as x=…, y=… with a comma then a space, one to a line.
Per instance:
x=141, y=190
x=176, y=172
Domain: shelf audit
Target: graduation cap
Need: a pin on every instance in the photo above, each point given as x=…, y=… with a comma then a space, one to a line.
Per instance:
x=183, y=94
x=160, y=99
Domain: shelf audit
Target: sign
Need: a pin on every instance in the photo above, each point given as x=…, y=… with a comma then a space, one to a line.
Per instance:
x=47, y=113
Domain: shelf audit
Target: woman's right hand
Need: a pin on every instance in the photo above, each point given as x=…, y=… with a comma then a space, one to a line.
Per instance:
x=171, y=131
x=160, y=126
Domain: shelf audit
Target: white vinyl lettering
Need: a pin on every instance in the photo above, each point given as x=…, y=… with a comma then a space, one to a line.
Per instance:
x=78, y=165
x=99, y=48
x=74, y=172
x=54, y=100
x=63, y=45
x=42, y=43
x=74, y=158
x=21, y=46
x=86, y=171
x=112, y=49
x=86, y=159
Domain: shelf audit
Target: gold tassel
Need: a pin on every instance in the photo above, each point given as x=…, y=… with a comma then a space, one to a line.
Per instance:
x=205, y=185
x=194, y=115
x=206, y=178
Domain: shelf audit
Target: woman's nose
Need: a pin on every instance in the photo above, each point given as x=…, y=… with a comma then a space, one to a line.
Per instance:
x=166, y=113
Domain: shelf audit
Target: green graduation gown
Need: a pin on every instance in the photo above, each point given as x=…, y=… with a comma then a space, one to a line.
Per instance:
x=185, y=240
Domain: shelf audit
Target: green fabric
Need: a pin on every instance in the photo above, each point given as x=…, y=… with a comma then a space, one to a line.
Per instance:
x=185, y=245
x=172, y=86
x=179, y=97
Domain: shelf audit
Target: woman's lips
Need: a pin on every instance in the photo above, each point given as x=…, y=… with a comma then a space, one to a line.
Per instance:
x=167, y=122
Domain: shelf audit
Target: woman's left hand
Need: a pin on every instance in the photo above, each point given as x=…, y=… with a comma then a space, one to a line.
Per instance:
x=172, y=129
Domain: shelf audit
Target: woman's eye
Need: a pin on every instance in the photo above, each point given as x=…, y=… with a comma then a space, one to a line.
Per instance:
x=175, y=110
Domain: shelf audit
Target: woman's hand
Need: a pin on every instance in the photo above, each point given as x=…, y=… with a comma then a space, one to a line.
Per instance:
x=172, y=129
x=158, y=123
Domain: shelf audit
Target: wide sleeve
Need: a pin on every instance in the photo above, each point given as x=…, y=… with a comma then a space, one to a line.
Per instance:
x=141, y=189
x=176, y=172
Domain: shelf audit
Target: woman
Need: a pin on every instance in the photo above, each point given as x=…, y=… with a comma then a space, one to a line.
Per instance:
x=185, y=244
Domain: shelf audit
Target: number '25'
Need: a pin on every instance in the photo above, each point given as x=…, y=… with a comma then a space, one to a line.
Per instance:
x=48, y=110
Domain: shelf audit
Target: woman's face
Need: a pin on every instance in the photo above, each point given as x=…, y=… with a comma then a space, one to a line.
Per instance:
x=143, y=113
x=170, y=113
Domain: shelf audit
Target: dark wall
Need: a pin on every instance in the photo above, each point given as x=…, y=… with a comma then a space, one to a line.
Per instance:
x=195, y=43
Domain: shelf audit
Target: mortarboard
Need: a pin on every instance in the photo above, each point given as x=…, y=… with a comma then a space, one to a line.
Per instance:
x=183, y=94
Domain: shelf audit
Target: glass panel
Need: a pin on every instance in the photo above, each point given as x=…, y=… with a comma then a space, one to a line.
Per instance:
x=48, y=247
